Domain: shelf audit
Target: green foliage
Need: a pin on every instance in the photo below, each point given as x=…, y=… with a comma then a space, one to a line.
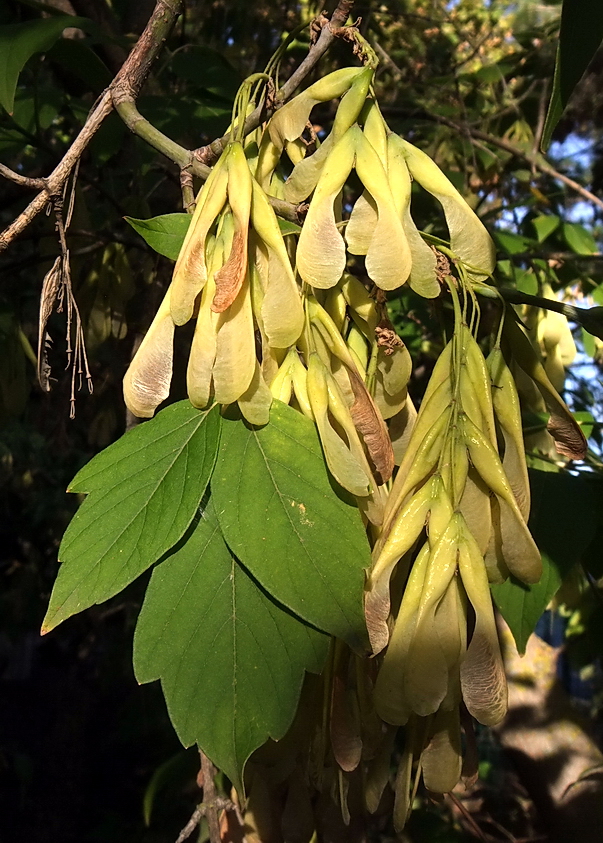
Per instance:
x=579, y=38
x=143, y=493
x=563, y=521
x=164, y=234
x=230, y=659
x=277, y=509
x=20, y=41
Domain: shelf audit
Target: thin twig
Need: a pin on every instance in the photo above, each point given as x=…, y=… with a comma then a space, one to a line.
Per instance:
x=209, y=798
x=330, y=30
x=22, y=181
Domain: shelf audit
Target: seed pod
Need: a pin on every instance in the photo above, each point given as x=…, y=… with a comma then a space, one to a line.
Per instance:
x=281, y=310
x=400, y=429
x=424, y=458
x=426, y=671
x=321, y=251
x=305, y=175
x=344, y=719
x=569, y=439
x=256, y=401
x=229, y=279
x=335, y=305
x=423, y=278
x=403, y=534
x=299, y=376
x=389, y=695
x=519, y=550
x=480, y=379
x=147, y=381
x=289, y=121
x=269, y=156
x=508, y=413
x=468, y=237
x=483, y=679
x=494, y=560
x=388, y=259
x=435, y=404
x=342, y=464
x=369, y=422
x=378, y=770
x=359, y=300
x=392, y=376
x=203, y=348
x=476, y=509
x=234, y=366
x=356, y=342
x=402, y=799
x=282, y=385
x=190, y=272
x=361, y=224
x=442, y=758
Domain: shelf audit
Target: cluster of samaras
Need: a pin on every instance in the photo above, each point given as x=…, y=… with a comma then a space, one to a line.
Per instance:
x=280, y=318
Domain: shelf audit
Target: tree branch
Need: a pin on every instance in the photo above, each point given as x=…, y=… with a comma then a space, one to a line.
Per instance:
x=130, y=78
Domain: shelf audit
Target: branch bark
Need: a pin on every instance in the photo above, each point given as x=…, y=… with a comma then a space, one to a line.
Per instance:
x=130, y=78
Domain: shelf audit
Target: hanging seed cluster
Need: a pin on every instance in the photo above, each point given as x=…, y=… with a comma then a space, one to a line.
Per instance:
x=444, y=492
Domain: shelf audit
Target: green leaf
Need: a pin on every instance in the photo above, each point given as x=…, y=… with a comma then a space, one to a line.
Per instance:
x=231, y=661
x=165, y=234
x=143, y=492
x=20, y=41
x=511, y=243
x=545, y=224
x=563, y=522
x=287, y=525
x=287, y=227
x=579, y=39
x=586, y=421
x=79, y=59
x=579, y=239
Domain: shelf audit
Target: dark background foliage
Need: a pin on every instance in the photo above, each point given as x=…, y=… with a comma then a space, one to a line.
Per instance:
x=80, y=742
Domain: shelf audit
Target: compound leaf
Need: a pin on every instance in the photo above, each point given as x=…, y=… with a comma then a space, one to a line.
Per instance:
x=143, y=492
x=231, y=660
x=288, y=526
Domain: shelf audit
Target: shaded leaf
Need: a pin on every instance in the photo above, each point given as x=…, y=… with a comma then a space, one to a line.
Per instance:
x=208, y=69
x=563, y=522
x=20, y=41
x=143, y=492
x=579, y=39
x=231, y=660
x=285, y=522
